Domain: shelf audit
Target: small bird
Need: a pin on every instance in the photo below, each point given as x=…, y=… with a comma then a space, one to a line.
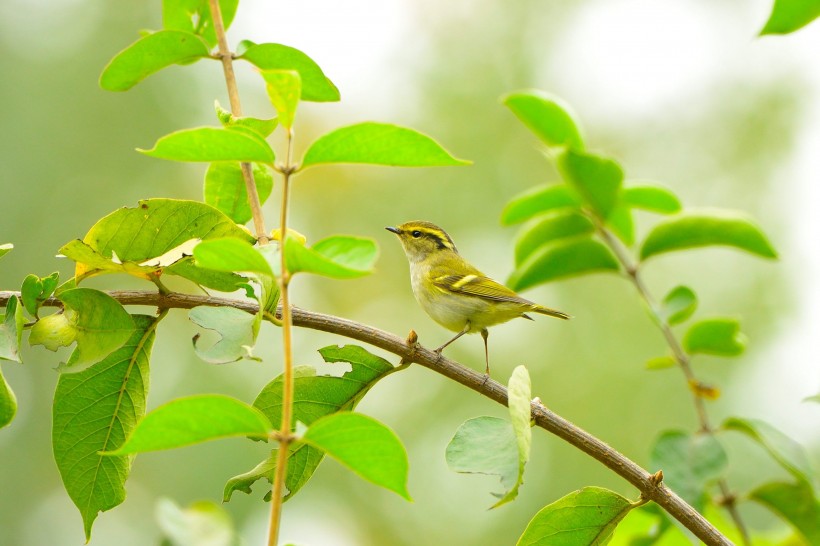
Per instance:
x=453, y=292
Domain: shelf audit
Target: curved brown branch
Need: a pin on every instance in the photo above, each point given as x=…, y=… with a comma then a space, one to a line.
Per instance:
x=646, y=483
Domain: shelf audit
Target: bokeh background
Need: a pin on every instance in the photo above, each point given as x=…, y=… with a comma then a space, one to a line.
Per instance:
x=682, y=92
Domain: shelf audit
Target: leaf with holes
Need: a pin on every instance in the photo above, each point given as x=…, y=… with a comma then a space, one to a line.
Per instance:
x=314, y=397
x=236, y=328
x=94, y=410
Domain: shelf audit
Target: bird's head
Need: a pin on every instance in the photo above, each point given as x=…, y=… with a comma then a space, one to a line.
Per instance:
x=421, y=239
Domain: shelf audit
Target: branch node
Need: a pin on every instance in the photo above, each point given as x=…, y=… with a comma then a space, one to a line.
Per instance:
x=412, y=342
x=656, y=478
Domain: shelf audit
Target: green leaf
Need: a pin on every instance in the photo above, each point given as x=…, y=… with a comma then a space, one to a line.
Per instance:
x=365, y=446
x=561, y=259
x=217, y=280
x=284, y=88
x=94, y=410
x=11, y=330
x=236, y=328
x=192, y=420
x=794, y=502
x=790, y=15
x=716, y=336
x=558, y=224
x=788, y=453
x=231, y=254
x=151, y=54
x=149, y=237
x=263, y=127
x=587, y=516
x=36, y=290
x=621, y=223
x=678, y=305
x=95, y=320
x=5, y=248
x=539, y=200
x=379, y=144
x=813, y=398
x=339, y=256
x=213, y=144
x=704, y=228
x=203, y=523
x=597, y=179
x=518, y=400
x=545, y=115
x=314, y=397
x=316, y=87
x=486, y=445
x=225, y=189
x=195, y=16
x=8, y=403
x=652, y=198
x=661, y=363
x=689, y=463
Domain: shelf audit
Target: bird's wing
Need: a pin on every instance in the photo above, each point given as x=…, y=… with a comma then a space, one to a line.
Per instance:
x=478, y=286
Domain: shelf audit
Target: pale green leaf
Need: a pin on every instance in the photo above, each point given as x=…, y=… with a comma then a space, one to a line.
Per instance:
x=284, y=89
x=585, y=517
x=788, y=453
x=537, y=201
x=716, y=336
x=225, y=188
x=486, y=445
x=316, y=87
x=562, y=259
x=545, y=115
x=213, y=144
x=704, y=228
x=518, y=400
x=597, y=179
x=546, y=228
x=794, y=502
x=192, y=420
x=365, y=446
x=678, y=305
x=379, y=144
x=790, y=15
x=236, y=328
x=652, y=198
x=622, y=224
x=94, y=410
x=661, y=363
x=150, y=54
x=203, y=523
x=689, y=463
x=11, y=330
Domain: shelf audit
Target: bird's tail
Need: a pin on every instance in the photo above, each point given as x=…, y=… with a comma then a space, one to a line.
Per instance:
x=551, y=312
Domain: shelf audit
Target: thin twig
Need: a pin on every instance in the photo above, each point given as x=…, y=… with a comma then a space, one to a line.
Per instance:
x=226, y=57
x=681, y=357
x=645, y=482
x=285, y=436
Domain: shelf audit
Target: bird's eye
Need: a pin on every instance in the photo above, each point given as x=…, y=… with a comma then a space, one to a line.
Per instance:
x=416, y=234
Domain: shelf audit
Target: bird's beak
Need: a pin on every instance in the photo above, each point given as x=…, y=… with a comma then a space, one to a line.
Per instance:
x=393, y=229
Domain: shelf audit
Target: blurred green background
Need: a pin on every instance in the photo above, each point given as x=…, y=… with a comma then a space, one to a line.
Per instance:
x=683, y=94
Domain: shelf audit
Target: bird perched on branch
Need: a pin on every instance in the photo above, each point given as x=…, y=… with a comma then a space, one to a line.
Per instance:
x=453, y=292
